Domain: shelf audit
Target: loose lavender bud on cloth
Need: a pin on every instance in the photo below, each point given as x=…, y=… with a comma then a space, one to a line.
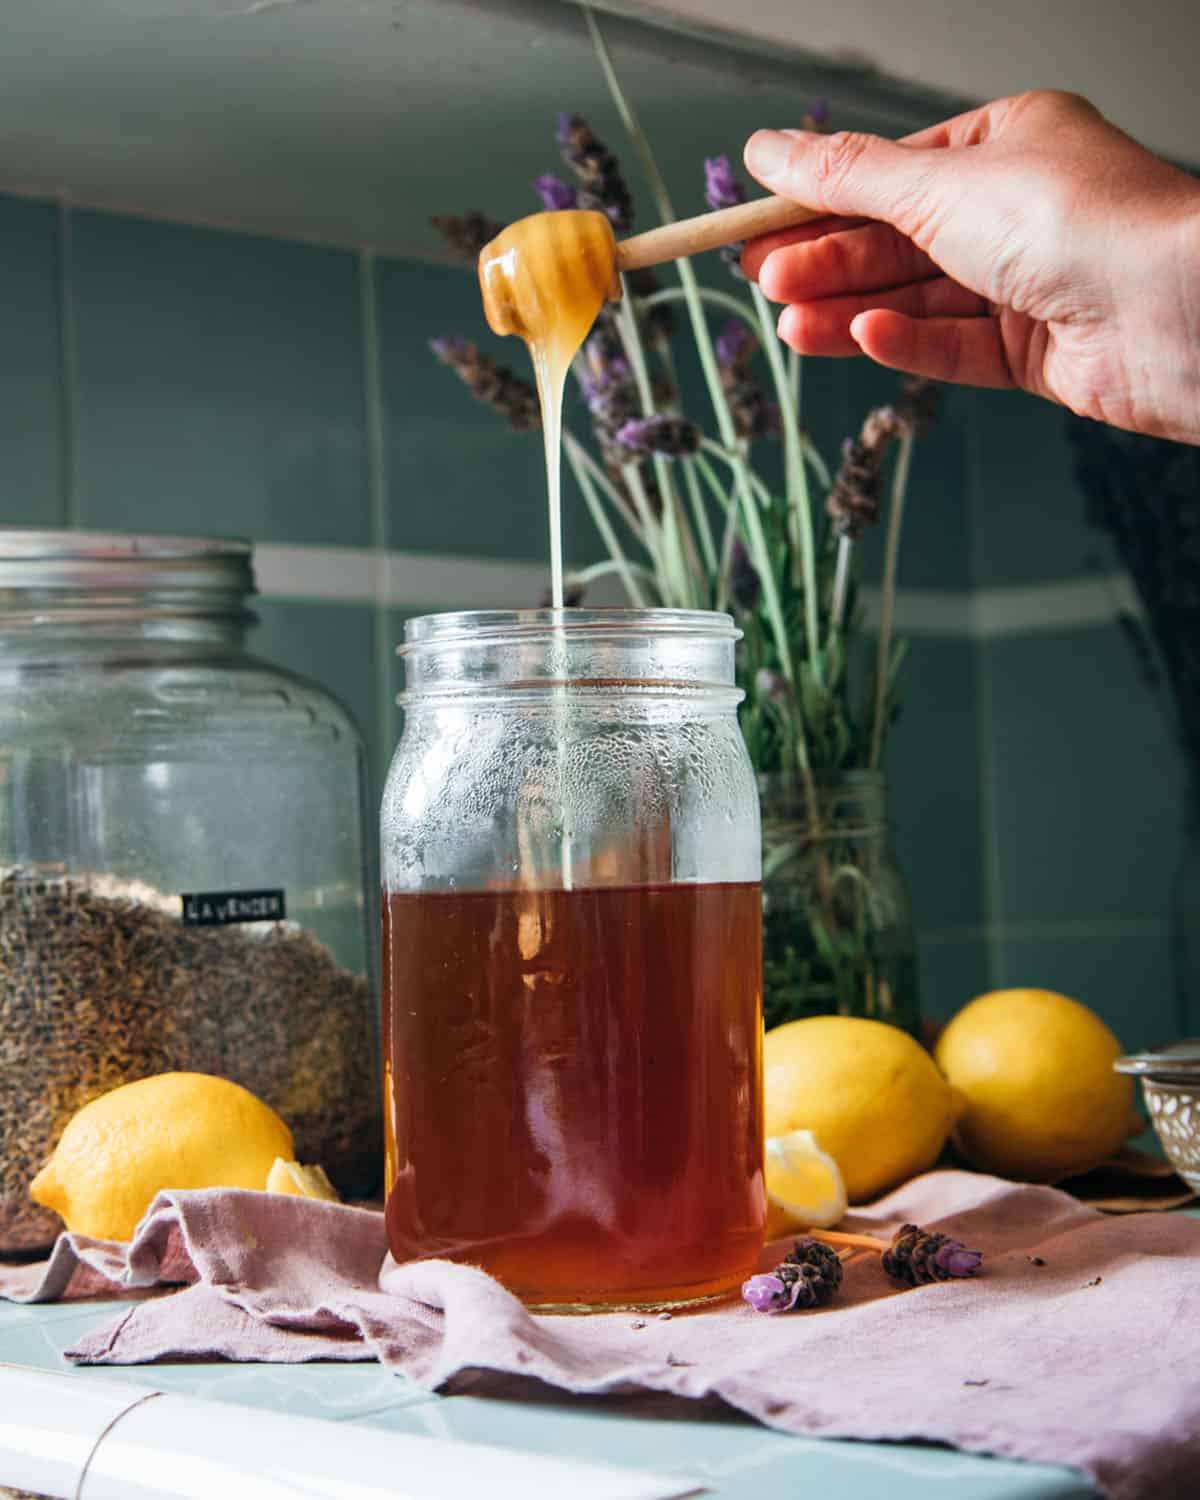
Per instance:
x=809, y=1276
x=670, y=437
x=507, y=394
x=919, y=1257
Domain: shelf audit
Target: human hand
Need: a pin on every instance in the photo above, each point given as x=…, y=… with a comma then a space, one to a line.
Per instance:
x=1027, y=243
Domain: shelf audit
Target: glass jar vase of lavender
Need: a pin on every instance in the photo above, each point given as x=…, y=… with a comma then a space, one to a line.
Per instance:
x=837, y=924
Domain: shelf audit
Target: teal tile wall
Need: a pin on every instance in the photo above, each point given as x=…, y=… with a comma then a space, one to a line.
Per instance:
x=218, y=384
x=1088, y=781
x=1082, y=780
x=33, y=466
x=457, y=479
x=1030, y=521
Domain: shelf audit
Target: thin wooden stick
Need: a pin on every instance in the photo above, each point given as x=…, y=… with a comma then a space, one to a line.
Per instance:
x=726, y=226
x=838, y=1237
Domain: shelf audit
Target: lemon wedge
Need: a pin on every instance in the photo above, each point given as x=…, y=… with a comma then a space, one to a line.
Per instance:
x=297, y=1181
x=804, y=1181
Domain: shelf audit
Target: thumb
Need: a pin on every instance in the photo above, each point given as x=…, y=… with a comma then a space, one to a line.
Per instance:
x=847, y=173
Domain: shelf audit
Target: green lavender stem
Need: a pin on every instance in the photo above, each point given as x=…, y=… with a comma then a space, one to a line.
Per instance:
x=575, y=454
x=800, y=525
x=887, y=601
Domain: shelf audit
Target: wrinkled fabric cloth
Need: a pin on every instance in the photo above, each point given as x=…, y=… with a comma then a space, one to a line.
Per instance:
x=1091, y=1359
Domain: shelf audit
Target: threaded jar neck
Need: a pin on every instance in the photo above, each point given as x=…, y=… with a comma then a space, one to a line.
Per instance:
x=536, y=654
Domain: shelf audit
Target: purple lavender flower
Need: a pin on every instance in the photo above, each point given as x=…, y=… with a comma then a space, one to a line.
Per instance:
x=721, y=188
x=956, y=1260
x=496, y=386
x=554, y=192
x=756, y=417
x=767, y=1293
x=466, y=234
x=809, y=1276
x=735, y=344
x=599, y=172
x=816, y=116
x=920, y=1256
x=668, y=436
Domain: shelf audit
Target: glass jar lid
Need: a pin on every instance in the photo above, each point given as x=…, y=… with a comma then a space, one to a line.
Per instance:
x=82, y=562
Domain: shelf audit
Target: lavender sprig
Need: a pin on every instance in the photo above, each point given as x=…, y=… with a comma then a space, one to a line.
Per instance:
x=466, y=234
x=662, y=434
x=753, y=414
x=722, y=189
x=507, y=394
x=555, y=193
x=919, y=1257
x=598, y=170
x=853, y=502
x=808, y=1277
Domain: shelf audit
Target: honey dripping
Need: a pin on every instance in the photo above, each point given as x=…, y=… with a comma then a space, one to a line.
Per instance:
x=545, y=278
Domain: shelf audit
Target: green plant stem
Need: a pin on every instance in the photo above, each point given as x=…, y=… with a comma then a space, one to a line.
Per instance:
x=710, y=295
x=800, y=525
x=606, y=487
x=700, y=516
x=674, y=560
x=841, y=585
x=887, y=600
x=613, y=565
x=575, y=453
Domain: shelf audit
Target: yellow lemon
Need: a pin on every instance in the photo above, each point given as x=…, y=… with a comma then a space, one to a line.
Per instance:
x=174, y=1130
x=872, y=1096
x=1035, y=1069
x=803, y=1182
x=296, y=1181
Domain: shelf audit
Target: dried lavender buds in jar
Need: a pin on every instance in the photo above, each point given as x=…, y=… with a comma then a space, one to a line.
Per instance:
x=101, y=983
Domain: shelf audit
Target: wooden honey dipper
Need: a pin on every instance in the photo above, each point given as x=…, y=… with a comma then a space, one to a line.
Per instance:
x=558, y=268
x=546, y=277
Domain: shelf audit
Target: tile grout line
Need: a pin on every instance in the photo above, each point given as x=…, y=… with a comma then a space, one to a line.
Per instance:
x=377, y=490
x=68, y=368
x=993, y=894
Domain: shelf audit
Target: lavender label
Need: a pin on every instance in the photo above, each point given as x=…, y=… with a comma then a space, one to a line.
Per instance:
x=220, y=908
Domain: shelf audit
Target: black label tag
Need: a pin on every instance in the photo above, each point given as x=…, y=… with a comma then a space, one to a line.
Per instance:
x=218, y=908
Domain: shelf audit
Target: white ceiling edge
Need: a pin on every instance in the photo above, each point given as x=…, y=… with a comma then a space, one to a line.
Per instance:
x=349, y=124
x=1136, y=63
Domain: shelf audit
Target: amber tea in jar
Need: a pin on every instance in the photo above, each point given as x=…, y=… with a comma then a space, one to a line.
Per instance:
x=572, y=958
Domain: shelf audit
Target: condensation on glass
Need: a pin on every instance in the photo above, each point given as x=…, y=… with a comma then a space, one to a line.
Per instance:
x=572, y=957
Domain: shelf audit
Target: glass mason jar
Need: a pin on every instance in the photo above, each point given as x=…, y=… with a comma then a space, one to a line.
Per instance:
x=837, y=924
x=572, y=957
x=181, y=857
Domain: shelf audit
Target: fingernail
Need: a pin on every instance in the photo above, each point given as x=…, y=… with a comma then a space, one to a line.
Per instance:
x=767, y=152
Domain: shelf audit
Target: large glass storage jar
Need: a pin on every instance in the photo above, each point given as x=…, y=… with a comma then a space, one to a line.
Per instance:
x=572, y=957
x=181, y=857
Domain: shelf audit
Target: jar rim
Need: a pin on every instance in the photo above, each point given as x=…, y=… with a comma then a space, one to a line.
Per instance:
x=500, y=626
x=111, y=561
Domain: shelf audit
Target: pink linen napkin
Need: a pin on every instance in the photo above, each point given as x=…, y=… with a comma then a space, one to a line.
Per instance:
x=1091, y=1359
